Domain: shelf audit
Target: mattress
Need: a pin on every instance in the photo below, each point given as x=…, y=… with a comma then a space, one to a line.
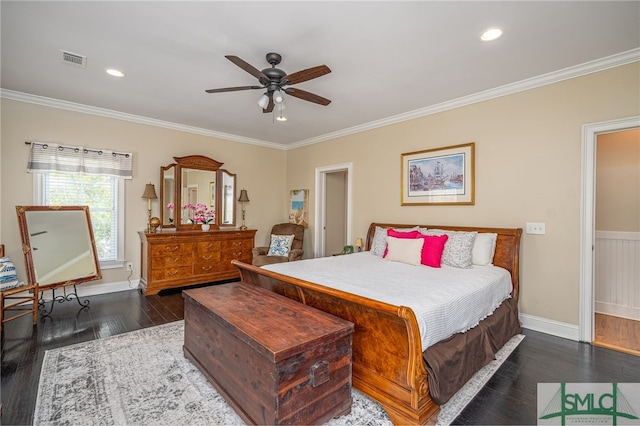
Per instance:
x=445, y=300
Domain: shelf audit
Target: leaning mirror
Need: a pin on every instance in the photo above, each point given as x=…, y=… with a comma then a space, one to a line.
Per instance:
x=58, y=245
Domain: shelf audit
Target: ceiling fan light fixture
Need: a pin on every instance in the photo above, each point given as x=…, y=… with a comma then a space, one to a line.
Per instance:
x=280, y=109
x=277, y=97
x=263, y=101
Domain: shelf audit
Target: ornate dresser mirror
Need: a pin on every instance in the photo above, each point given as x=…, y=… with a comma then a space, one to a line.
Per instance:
x=58, y=246
x=192, y=181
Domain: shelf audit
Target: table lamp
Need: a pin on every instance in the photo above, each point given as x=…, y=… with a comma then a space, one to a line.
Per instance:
x=244, y=198
x=149, y=194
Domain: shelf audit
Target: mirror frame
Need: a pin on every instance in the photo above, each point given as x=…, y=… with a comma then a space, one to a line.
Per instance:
x=196, y=162
x=27, y=249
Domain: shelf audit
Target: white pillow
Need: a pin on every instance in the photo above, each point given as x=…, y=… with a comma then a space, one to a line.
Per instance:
x=405, y=250
x=379, y=243
x=458, y=248
x=484, y=248
x=280, y=245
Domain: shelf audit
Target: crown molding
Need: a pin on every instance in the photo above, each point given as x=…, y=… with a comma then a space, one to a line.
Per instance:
x=597, y=65
x=602, y=64
x=102, y=112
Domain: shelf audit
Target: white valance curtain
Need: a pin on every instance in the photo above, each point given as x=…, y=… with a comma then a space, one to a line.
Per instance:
x=51, y=157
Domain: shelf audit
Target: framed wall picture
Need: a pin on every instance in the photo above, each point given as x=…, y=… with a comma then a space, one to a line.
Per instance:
x=299, y=207
x=441, y=176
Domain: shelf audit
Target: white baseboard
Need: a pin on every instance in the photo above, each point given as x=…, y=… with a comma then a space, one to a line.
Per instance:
x=628, y=312
x=92, y=289
x=555, y=328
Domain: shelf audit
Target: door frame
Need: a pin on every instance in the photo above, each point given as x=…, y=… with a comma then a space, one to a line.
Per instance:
x=320, y=201
x=590, y=134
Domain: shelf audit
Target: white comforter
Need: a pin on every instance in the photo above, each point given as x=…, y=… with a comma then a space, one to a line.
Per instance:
x=445, y=300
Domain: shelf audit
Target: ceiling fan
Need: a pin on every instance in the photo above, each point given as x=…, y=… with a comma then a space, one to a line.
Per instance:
x=273, y=80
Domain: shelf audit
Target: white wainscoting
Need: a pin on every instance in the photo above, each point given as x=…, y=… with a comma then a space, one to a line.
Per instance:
x=617, y=274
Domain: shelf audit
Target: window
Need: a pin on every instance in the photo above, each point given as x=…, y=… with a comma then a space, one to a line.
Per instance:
x=105, y=197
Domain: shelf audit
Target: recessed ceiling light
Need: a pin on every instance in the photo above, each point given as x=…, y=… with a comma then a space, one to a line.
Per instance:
x=491, y=34
x=114, y=72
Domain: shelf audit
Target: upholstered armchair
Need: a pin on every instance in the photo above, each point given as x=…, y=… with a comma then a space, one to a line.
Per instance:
x=261, y=255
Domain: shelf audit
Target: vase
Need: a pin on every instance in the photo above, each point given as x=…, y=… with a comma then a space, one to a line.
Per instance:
x=205, y=226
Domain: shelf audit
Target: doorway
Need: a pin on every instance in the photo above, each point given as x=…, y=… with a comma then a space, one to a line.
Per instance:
x=333, y=209
x=590, y=133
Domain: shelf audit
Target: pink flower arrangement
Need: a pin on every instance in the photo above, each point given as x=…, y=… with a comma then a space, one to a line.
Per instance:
x=201, y=213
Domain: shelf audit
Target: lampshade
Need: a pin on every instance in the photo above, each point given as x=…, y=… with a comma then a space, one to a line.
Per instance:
x=358, y=242
x=149, y=192
x=277, y=97
x=263, y=101
x=243, y=196
x=279, y=108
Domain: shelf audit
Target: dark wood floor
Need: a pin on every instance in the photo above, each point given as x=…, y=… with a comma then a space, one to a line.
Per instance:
x=508, y=398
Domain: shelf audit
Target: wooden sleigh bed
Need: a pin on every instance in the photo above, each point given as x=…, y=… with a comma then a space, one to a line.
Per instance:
x=388, y=363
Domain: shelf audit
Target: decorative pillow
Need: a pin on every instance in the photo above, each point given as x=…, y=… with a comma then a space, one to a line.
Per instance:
x=399, y=234
x=8, y=275
x=484, y=248
x=280, y=245
x=405, y=250
x=432, y=249
x=458, y=248
x=379, y=243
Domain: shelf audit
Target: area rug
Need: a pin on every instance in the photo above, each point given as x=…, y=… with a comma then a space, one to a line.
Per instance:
x=143, y=378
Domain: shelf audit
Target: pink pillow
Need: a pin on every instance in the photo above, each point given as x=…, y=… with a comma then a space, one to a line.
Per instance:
x=432, y=249
x=398, y=234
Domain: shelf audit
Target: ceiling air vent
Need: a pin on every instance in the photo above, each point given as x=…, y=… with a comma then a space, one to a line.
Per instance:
x=74, y=59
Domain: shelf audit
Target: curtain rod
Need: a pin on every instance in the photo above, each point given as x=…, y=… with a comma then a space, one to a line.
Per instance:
x=75, y=148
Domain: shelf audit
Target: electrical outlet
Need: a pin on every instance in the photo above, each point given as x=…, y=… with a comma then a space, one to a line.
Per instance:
x=129, y=266
x=535, y=228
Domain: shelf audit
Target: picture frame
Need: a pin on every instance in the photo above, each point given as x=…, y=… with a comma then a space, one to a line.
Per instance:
x=299, y=207
x=212, y=194
x=439, y=176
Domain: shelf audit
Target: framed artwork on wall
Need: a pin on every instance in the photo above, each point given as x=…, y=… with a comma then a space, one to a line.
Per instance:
x=299, y=207
x=440, y=176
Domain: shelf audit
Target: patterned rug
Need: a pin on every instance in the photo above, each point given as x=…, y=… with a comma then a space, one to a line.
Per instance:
x=143, y=378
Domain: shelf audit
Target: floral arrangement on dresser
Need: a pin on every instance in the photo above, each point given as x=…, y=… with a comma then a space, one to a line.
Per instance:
x=196, y=213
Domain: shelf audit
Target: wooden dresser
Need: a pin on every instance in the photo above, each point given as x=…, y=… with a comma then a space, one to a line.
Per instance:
x=180, y=258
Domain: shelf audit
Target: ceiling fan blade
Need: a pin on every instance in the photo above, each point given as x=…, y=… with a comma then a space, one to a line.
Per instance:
x=307, y=96
x=233, y=89
x=305, y=75
x=248, y=68
x=271, y=105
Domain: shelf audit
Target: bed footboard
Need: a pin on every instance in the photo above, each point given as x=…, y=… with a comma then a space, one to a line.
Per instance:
x=387, y=352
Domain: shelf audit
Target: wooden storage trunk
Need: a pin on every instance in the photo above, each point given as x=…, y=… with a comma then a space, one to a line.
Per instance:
x=275, y=361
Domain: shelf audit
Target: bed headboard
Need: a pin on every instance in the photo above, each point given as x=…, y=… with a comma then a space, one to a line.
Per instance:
x=507, y=253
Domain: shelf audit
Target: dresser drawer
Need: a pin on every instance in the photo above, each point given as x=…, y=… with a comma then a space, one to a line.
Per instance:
x=208, y=246
x=162, y=262
x=175, y=249
x=239, y=244
x=171, y=273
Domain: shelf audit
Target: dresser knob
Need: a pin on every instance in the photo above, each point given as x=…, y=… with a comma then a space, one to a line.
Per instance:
x=206, y=268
